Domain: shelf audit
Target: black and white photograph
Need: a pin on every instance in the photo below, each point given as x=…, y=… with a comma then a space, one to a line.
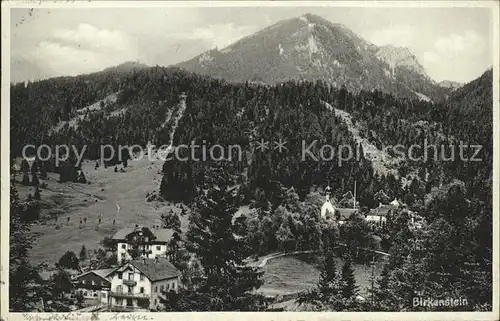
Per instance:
x=249, y=157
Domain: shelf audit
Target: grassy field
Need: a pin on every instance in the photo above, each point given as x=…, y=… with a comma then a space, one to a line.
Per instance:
x=286, y=275
x=119, y=196
x=290, y=274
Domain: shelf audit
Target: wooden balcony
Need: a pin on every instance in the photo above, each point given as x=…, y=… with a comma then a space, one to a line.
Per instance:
x=129, y=283
x=121, y=294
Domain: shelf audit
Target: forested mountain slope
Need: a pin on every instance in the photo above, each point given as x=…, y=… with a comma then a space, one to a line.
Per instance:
x=223, y=113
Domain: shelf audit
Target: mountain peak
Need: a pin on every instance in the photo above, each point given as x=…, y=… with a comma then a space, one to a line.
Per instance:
x=309, y=47
x=312, y=20
x=309, y=17
x=396, y=56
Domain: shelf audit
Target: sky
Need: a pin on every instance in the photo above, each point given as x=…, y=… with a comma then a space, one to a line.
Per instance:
x=450, y=43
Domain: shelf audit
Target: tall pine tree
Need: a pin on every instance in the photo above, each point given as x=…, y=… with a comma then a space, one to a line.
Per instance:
x=24, y=281
x=349, y=288
x=228, y=283
x=327, y=295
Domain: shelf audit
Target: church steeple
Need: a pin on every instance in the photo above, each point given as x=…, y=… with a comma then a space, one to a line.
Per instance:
x=328, y=191
x=327, y=206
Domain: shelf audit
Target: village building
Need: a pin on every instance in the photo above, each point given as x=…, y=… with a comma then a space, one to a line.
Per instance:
x=94, y=284
x=395, y=203
x=149, y=243
x=139, y=284
x=330, y=211
x=377, y=215
x=327, y=208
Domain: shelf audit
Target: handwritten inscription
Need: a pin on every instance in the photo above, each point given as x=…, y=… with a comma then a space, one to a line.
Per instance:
x=81, y=316
x=130, y=316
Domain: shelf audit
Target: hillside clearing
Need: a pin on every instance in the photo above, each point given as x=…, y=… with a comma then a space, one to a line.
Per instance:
x=380, y=158
x=82, y=112
x=115, y=195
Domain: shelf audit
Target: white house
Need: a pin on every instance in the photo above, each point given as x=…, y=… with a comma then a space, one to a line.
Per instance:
x=150, y=243
x=376, y=218
x=138, y=284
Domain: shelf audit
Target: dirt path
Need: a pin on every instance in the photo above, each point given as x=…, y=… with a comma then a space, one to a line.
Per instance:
x=262, y=261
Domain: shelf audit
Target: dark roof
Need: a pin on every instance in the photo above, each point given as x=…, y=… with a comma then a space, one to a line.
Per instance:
x=382, y=210
x=381, y=193
x=162, y=234
x=156, y=269
x=103, y=273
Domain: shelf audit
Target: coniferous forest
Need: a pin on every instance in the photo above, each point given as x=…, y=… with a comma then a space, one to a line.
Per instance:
x=453, y=197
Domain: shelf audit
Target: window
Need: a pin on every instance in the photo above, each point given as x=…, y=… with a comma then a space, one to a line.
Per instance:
x=83, y=281
x=93, y=282
x=103, y=294
x=173, y=285
x=130, y=289
x=131, y=276
x=95, y=295
x=84, y=293
x=156, y=301
x=168, y=286
x=120, y=276
x=158, y=247
x=142, y=289
x=156, y=289
x=124, y=246
x=161, y=287
x=141, y=277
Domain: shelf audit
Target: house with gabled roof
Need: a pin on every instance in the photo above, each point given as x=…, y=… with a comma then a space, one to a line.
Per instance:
x=379, y=214
x=149, y=243
x=94, y=284
x=139, y=284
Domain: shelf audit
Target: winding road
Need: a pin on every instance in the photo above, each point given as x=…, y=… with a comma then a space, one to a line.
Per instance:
x=264, y=260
